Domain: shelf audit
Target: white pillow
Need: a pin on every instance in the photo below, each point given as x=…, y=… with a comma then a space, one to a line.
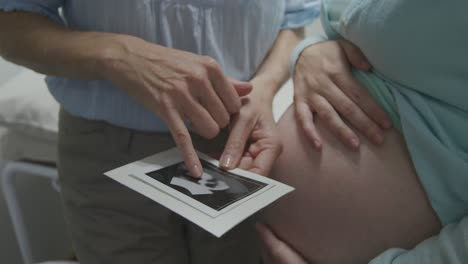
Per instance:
x=27, y=106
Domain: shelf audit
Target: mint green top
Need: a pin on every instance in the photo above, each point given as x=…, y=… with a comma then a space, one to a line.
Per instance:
x=419, y=50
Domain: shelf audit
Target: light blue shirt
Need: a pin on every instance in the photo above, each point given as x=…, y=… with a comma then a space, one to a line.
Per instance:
x=236, y=33
x=419, y=52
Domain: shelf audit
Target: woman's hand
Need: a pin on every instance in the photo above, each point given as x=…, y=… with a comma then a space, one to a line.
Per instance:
x=177, y=86
x=276, y=251
x=253, y=142
x=325, y=86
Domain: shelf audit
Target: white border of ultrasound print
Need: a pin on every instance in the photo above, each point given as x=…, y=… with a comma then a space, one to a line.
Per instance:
x=215, y=222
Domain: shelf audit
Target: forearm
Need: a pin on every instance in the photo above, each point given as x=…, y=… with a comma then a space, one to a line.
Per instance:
x=274, y=71
x=40, y=44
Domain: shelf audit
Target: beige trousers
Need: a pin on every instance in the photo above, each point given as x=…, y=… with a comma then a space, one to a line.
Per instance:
x=111, y=224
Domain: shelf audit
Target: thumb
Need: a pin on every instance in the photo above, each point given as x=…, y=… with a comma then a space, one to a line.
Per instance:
x=242, y=88
x=355, y=56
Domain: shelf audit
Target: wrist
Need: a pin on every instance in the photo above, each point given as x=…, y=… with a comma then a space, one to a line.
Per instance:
x=264, y=89
x=113, y=50
x=261, y=97
x=273, y=79
x=303, y=45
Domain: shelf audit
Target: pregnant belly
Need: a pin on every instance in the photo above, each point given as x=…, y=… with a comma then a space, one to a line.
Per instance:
x=348, y=206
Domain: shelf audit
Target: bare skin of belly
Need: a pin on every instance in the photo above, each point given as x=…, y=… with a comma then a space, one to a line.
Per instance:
x=348, y=206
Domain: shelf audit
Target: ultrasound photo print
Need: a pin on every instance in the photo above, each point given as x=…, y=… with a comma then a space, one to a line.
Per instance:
x=216, y=189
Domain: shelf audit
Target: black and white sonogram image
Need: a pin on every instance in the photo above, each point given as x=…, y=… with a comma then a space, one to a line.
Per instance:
x=216, y=189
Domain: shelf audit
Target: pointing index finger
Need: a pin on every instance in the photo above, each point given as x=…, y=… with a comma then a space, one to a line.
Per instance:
x=184, y=143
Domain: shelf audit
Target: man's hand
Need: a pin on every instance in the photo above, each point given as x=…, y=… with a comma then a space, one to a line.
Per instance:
x=253, y=144
x=177, y=86
x=276, y=251
x=326, y=88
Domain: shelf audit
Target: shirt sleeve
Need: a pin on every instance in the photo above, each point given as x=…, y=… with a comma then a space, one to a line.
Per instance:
x=450, y=246
x=47, y=8
x=329, y=23
x=300, y=13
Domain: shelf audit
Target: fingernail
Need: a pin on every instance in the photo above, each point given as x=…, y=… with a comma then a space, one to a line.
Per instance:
x=317, y=144
x=226, y=161
x=355, y=142
x=378, y=138
x=198, y=172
